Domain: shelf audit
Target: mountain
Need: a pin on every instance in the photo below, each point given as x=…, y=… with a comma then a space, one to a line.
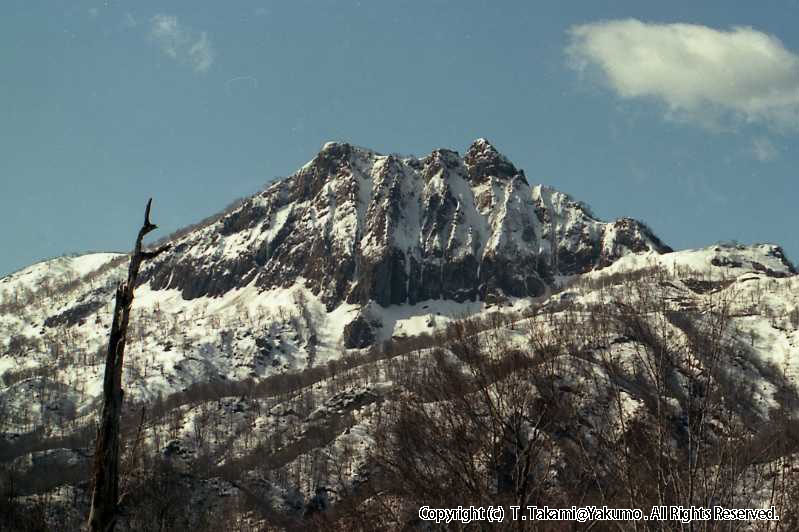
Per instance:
x=269, y=342
x=375, y=246
x=358, y=226
x=355, y=226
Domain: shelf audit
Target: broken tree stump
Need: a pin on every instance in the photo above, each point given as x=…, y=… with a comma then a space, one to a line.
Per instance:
x=105, y=473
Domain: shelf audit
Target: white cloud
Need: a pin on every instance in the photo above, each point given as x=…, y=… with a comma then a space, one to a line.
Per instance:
x=764, y=150
x=182, y=43
x=701, y=74
x=201, y=54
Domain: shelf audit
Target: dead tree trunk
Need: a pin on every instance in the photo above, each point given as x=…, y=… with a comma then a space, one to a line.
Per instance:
x=103, y=515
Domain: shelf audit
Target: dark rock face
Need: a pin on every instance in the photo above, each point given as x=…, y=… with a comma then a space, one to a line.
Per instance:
x=383, y=280
x=353, y=225
x=74, y=314
x=768, y=271
x=778, y=253
x=722, y=262
x=484, y=161
x=358, y=333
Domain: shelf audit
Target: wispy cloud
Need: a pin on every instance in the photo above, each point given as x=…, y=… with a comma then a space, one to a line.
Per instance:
x=764, y=150
x=700, y=74
x=182, y=43
x=129, y=21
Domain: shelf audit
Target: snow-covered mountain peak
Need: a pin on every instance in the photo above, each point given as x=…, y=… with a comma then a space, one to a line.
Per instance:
x=358, y=226
x=484, y=161
x=340, y=148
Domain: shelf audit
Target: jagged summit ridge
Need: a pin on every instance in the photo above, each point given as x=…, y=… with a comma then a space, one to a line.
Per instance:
x=358, y=226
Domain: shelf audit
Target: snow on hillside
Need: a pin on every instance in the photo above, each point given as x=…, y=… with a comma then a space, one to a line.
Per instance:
x=718, y=261
x=60, y=269
x=251, y=333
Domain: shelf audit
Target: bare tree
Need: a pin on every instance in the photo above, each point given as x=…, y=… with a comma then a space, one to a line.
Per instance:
x=105, y=496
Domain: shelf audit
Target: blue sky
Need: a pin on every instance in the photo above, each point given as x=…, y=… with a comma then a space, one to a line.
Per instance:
x=682, y=114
